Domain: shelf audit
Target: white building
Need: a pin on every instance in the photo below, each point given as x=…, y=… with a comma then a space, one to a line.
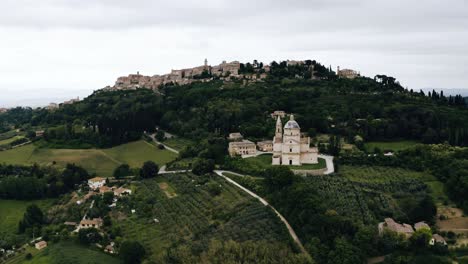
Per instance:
x=292, y=147
x=96, y=183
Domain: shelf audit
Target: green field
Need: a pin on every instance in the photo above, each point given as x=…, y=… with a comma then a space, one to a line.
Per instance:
x=99, y=161
x=65, y=252
x=194, y=216
x=264, y=162
x=389, y=146
x=12, y=211
x=177, y=143
x=9, y=140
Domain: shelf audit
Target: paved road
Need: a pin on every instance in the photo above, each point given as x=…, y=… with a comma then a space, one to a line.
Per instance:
x=330, y=166
x=264, y=202
x=164, y=171
x=166, y=146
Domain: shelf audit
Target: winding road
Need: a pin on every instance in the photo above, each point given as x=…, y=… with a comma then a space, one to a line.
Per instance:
x=330, y=169
x=264, y=202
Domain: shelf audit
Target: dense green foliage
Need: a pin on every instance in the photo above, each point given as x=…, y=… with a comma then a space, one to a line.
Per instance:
x=33, y=218
x=34, y=182
x=132, y=252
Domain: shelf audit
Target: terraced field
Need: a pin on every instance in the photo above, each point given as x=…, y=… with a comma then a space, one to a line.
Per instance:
x=195, y=217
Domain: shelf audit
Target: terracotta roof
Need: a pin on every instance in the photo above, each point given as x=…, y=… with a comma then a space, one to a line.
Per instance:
x=96, y=179
x=41, y=243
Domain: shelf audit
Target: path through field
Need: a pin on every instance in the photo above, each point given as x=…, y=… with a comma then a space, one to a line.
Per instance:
x=263, y=201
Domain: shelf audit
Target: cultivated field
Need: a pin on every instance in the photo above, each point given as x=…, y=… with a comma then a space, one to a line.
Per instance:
x=99, y=161
x=9, y=140
x=194, y=216
x=383, y=175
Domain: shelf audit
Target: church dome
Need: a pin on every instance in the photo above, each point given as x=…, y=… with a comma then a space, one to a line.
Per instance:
x=291, y=123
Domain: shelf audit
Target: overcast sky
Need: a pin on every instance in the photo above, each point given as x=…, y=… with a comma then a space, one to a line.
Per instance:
x=53, y=50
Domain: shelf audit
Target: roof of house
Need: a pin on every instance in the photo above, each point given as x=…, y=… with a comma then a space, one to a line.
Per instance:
x=438, y=238
x=397, y=227
x=96, y=179
x=421, y=225
x=41, y=243
x=104, y=189
x=121, y=190
x=265, y=142
x=241, y=143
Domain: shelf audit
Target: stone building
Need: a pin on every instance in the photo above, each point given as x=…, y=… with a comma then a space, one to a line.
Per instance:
x=266, y=145
x=90, y=223
x=242, y=148
x=277, y=114
x=390, y=224
x=347, y=73
x=292, y=147
x=235, y=136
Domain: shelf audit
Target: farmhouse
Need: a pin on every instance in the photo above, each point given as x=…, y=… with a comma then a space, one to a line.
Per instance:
x=437, y=239
x=292, y=147
x=88, y=223
x=40, y=245
x=266, y=145
x=390, y=224
x=242, y=148
x=96, y=183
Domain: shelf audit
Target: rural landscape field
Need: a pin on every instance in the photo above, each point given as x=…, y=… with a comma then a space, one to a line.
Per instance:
x=222, y=132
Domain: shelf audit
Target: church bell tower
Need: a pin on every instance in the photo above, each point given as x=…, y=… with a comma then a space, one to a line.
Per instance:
x=279, y=129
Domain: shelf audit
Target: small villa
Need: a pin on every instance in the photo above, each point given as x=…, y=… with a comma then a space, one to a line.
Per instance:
x=96, y=183
x=90, y=223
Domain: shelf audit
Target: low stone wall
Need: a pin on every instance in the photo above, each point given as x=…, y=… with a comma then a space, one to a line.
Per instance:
x=310, y=172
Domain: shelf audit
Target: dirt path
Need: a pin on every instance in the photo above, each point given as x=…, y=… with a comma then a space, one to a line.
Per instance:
x=264, y=202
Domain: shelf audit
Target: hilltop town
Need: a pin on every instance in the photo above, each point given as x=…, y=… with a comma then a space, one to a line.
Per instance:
x=226, y=71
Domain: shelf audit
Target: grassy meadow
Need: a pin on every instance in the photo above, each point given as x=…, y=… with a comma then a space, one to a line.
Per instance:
x=99, y=161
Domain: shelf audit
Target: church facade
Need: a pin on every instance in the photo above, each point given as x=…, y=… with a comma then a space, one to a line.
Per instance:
x=290, y=147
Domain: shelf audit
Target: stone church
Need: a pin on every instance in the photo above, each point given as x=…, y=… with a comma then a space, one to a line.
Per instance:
x=290, y=147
